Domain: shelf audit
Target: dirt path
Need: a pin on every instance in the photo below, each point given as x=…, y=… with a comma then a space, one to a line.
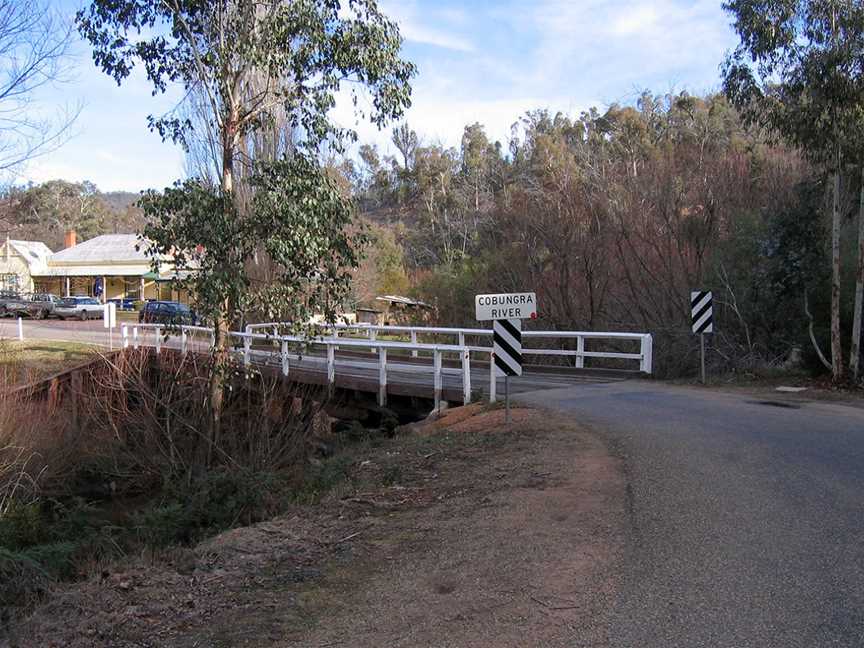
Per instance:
x=452, y=536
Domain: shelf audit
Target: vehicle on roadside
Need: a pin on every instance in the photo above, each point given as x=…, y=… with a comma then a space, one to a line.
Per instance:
x=35, y=305
x=124, y=304
x=167, y=312
x=82, y=308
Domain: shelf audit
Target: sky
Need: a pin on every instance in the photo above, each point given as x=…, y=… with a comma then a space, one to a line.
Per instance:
x=484, y=61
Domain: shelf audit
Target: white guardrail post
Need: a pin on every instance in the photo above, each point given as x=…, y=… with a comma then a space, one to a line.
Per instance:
x=580, y=351
x=414, y=341
x=135, y=342
x=183, y=341
x=20, y=330
x=158, y=339
x=466, y=377
x=124, y=334
x=331, y=368
x=647, y=351
x=247, y=347
x=493, y=378
x=284, y=357
x=436, y=363
x=382, y=376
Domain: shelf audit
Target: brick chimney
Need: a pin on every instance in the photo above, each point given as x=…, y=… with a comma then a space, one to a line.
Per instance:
x=70, y=239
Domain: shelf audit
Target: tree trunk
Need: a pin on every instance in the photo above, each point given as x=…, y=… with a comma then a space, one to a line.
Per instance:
x=836, y=343
x=222, y=321
x=855, y=350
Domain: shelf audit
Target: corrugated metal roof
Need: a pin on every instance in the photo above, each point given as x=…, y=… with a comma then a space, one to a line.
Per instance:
x=32, y=251
x=405, y=301
x=106, y=249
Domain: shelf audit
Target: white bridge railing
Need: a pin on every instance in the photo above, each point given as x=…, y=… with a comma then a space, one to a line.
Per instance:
x=371, y=331
x=190, y=337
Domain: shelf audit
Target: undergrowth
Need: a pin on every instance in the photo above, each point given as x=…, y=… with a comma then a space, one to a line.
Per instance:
x=128, y=470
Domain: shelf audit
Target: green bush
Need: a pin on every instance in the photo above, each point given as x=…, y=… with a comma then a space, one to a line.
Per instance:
x=323, y=477
x=218, y=501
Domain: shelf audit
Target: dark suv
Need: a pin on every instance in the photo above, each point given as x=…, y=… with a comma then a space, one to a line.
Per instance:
x=167, y=312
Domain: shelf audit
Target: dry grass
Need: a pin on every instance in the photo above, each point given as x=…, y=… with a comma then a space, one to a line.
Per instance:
x=118, y=456
x=24, y=362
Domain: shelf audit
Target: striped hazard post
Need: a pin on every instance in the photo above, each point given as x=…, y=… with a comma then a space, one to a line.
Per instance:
x=702, y=319
x=507, y=354
x=702, y=311
x=506, y=312
x=507, y=347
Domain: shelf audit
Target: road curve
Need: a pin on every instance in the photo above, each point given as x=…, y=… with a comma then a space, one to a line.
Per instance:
x=747, y=516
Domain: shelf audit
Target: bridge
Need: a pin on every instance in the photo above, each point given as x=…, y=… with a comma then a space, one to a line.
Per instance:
x=437, y=363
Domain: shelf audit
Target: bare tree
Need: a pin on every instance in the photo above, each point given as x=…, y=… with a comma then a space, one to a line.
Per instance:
x=34, y=48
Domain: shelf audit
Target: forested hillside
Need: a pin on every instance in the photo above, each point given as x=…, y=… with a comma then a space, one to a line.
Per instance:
x=46, y=211
x=613, y=218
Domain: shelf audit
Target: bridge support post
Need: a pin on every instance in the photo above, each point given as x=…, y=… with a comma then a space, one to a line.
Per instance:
x=647, y=353
x=284, y=357
x=493, y=379
x=466, y=377
x=331, y=368
x=436, y=363
x=580, y=350
x=382, y=376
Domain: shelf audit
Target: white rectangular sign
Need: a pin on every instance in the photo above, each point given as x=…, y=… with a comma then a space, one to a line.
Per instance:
x=109, y=315
x=506, y=306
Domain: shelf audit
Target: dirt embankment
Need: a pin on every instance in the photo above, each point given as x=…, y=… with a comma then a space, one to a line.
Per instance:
x=457, y=533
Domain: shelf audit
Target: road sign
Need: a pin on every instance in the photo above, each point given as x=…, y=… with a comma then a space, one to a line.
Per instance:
x=506, y=306
x=109, y=315
x=701, y=311
x=507, y=347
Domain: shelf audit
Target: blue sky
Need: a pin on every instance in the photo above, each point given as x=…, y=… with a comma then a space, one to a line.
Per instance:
x=479, y=60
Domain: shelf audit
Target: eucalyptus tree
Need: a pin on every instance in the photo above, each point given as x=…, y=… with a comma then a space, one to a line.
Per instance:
x=252, y=62
x=797, y=71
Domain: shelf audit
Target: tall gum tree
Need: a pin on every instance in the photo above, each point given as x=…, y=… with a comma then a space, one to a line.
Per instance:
x=797, y=71
x=254, y=61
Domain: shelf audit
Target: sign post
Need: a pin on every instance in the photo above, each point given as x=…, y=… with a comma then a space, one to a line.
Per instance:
x=109, y=321
x=506, y=312
x=702, y=320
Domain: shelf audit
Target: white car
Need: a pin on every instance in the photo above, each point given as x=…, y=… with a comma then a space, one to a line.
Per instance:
x=79, y=308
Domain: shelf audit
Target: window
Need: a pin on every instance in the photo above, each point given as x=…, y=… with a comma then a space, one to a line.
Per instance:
x=132, y=288
x=9, y=283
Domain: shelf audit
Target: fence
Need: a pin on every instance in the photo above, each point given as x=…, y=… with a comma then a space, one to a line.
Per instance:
x=644, y=356
x=162, y=334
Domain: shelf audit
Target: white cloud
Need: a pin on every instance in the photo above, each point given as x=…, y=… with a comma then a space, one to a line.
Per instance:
x=430, y=27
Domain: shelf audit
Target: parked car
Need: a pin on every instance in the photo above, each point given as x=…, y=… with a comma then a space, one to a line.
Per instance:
x=167, y=312
x=36, y=305
x=126, y=303
x=79, y=308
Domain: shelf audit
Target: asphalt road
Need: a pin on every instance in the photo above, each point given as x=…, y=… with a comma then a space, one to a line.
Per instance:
x=746, y=518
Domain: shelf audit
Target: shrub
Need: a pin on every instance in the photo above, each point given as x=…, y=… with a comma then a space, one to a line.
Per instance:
x=217, y=501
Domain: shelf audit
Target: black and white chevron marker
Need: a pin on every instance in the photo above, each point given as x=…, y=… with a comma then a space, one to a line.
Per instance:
x=701, y=311
x=507, y=346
